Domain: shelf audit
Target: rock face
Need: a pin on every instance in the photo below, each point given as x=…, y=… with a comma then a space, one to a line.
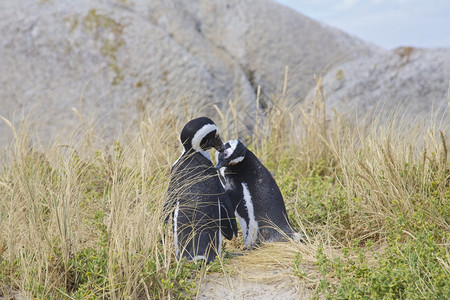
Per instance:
x=416, y=81
x=118, y=59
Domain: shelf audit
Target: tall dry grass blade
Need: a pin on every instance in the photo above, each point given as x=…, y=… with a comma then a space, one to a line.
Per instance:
x=444, y=148
x=10, y=125
x=77, y=113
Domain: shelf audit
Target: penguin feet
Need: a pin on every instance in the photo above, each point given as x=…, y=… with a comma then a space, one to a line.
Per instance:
x=299, y=237
x=233, y=254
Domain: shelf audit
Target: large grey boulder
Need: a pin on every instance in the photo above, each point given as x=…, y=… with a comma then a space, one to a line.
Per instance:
x=116, y=60
x=410, y=81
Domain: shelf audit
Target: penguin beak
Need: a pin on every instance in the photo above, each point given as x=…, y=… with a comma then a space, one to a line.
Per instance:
x=217, y=144
x=221, y=161
x=220, y=164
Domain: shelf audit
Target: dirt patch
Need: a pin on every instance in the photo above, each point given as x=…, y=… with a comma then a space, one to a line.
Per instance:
x=264, y=273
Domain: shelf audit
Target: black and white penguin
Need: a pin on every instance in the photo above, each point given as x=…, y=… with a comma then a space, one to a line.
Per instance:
x=259, y=204
x=201, y=210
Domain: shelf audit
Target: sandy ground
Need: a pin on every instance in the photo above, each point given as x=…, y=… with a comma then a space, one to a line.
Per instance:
x=265, y=273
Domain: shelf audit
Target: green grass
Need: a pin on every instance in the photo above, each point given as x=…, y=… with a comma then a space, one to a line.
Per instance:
x=80, y=221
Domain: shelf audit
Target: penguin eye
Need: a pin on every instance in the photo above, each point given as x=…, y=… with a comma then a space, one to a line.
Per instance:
x=226, y=153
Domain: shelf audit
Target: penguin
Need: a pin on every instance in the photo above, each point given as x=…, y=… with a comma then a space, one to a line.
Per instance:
x=196, y=199
x=253, y=191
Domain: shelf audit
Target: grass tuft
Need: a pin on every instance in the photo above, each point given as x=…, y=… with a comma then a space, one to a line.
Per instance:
x=79, y=221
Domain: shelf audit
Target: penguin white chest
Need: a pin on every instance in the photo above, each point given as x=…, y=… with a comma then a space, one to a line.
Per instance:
x=250, y=226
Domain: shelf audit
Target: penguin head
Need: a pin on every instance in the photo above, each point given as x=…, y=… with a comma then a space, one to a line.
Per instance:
x=201, y=134
x=233, y=153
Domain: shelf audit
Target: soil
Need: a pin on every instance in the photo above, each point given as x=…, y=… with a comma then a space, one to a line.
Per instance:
x=264, y=273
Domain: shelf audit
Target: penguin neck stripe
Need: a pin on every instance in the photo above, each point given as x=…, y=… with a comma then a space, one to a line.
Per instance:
x=200, y=134
x=237, y=160
x=233, y=144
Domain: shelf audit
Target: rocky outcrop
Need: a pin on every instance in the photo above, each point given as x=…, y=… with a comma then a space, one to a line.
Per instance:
x=119, y=59
x=414, y=81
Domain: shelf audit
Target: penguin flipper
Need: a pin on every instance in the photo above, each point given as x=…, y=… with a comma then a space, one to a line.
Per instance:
x=169, y=205
x=228, y=223
x=235, y=197
x=167, y=209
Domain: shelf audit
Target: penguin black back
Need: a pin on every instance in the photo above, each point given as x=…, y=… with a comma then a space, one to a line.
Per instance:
x=201, y=211
x=250, y=186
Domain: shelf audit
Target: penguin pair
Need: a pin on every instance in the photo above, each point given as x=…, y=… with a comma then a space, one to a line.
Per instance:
x=259, y=203
x=201, y=209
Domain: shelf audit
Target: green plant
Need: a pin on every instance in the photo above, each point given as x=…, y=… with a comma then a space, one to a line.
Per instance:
x=412, y=269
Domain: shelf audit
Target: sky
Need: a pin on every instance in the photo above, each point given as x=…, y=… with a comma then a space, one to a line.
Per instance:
x=387, y=23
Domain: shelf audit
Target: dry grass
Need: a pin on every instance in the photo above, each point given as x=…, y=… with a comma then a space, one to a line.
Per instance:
x=59, y=200
x=77, y=221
